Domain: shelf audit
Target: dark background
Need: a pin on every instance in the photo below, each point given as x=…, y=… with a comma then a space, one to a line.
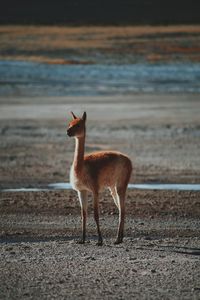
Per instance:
x=104, y=12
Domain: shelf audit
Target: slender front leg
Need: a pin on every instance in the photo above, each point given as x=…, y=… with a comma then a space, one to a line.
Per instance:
x=82, y=195
x=96, y=217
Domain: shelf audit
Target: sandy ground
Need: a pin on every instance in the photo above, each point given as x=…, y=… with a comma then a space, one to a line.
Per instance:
x=159, y=258
x=160, y=133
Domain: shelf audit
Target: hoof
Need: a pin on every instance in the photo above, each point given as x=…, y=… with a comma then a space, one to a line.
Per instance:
x=80, y=242
x=100, y=243
x=118, y=242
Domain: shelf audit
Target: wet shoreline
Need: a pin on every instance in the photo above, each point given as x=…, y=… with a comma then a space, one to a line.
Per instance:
x=38, y=79
x=67, y=186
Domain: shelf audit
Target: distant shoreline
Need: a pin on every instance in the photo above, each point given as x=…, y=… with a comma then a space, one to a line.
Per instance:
x=87, y=45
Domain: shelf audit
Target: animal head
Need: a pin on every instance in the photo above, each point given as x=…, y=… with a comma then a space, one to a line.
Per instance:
x=76, y=127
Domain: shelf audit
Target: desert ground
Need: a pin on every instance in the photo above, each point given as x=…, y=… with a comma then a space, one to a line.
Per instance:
x=39, y=256
x=160, y=254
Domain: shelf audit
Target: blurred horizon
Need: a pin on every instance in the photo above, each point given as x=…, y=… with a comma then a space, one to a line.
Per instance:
x=99, y=47
x=91, y=12
x=61, y=61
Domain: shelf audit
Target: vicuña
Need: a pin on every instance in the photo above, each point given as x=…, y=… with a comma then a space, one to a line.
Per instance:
x=95, y=172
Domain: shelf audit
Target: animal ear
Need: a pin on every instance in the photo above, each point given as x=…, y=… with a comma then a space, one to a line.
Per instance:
x=84, y=116
x=73, y=115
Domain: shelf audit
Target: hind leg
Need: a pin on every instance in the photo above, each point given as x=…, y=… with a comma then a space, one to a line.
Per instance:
x=114, y=195
x=121, y=192
x=121, y=188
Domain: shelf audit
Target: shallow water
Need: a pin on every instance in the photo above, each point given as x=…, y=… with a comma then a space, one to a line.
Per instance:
x=39, y=79
x=150, y=186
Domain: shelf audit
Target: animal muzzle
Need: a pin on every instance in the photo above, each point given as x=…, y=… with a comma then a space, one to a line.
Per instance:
x=69, y=133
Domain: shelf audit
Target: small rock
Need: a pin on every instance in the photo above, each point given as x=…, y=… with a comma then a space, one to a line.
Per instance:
x=153, y=271
x=134, y=270
x=132, y=258
x=90, y=258
x=116, y=284
x=26, y=247
x=147, y=238
x=61, y=281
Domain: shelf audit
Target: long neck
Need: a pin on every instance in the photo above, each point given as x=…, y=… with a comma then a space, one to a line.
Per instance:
x=79, y=153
